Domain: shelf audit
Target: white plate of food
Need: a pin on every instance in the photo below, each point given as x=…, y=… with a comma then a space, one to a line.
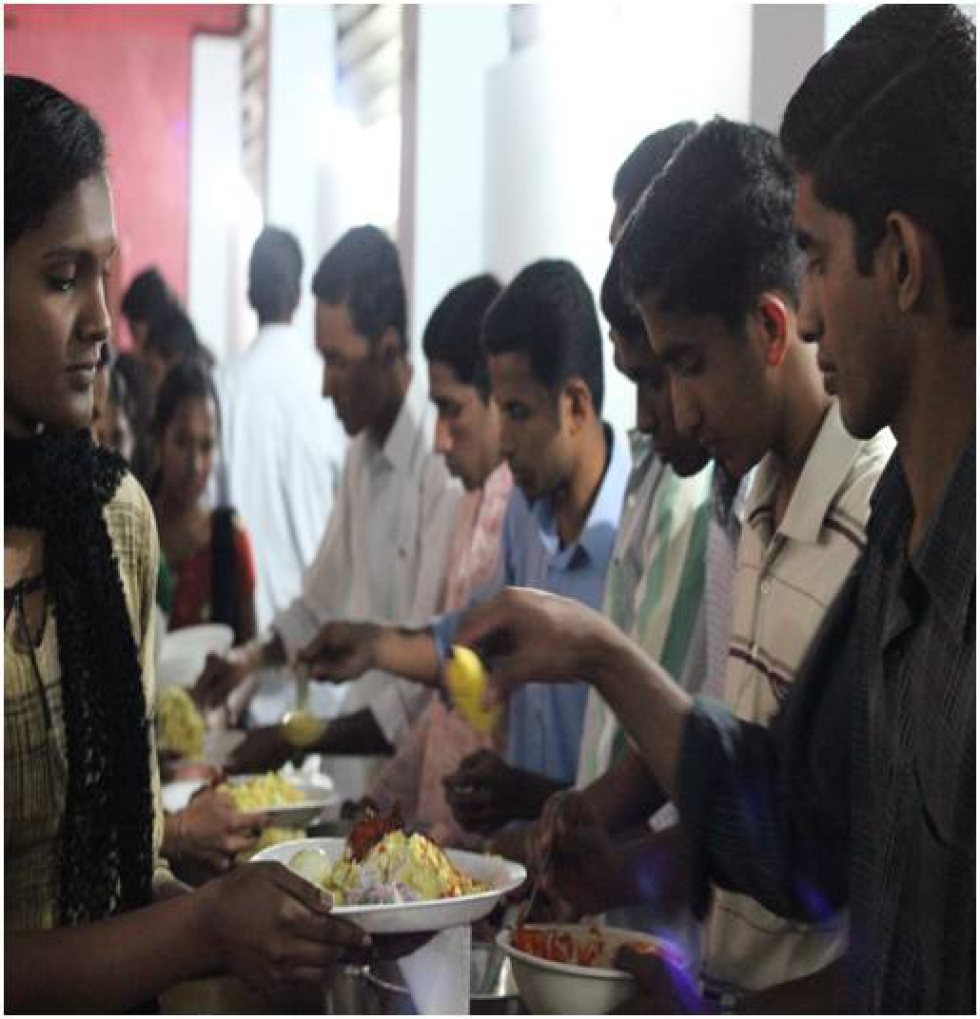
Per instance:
x=294, y=800
x=475, y=882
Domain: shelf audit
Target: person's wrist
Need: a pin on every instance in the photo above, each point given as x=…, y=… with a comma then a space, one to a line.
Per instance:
x=180, y=834
x=204, y=905
x=605, y=656
x=378, y=645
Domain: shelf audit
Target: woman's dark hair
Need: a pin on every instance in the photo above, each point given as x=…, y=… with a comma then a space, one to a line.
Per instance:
x=548, y=314
x=886, y=122
x=51, y=144
x=173, y=336
x=452, y=334
x=187, y=380
x=362, y=272
x=715, y=230
x=148, y=298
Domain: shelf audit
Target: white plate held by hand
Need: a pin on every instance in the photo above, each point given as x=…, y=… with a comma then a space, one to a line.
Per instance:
x=500, y=875
x=320, y=801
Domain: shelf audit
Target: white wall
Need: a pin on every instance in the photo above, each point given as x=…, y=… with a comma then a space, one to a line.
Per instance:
x=300, y=98
x=787, y=40
x=456, y=46
x=220, y=209
x=563, y=114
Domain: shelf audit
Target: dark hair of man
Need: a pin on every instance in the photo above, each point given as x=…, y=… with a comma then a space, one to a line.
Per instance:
x=715, y=229
x=452, y=334
x=548, y=313
x=646, y=161
x=274, y=271
x=886, y=122
x=173, y=335
x=362, y=272
x=148, y=297
x=187, y=380
x=51, y=144
x=621, y=315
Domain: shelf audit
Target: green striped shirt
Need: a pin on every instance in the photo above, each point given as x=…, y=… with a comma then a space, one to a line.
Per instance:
x=655, y=584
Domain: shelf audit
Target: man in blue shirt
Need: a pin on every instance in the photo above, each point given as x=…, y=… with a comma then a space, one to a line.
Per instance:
x=544, y=350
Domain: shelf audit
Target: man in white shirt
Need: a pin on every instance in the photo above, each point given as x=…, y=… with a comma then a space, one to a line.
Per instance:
x=384, y=555
x=282, y=446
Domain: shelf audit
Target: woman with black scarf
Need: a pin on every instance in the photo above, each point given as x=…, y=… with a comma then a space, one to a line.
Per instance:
x=94, y=922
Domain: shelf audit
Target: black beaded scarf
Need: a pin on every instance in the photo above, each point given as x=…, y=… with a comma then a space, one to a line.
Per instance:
x=60, y=484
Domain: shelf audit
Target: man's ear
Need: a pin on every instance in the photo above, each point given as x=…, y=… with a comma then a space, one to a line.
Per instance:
x=388, y=346
x=576, y=401
x=904, y=258
x=773, y=317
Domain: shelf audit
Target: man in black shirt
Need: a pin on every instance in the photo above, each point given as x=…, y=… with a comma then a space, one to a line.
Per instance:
x=862, y=791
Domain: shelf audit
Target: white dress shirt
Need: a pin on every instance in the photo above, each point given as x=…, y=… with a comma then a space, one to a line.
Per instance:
x=383, y=558
x=282, y=449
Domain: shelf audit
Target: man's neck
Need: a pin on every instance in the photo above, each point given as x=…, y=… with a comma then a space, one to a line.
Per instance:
x=283, y=320
x=805, y=406
x=935, y=422
x=401, y=378
x=573, y=504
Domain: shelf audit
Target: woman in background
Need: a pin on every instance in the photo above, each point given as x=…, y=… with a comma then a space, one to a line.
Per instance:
x=208, y=551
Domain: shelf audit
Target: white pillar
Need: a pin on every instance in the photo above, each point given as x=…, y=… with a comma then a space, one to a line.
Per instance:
x=300, y=102
x=219, y=210
x=446, y=182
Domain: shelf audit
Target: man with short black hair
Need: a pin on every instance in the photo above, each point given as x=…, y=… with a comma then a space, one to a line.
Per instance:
x=385, y=550
x=281, y=447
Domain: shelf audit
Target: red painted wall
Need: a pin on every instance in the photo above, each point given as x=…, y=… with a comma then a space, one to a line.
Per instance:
x=131, y=65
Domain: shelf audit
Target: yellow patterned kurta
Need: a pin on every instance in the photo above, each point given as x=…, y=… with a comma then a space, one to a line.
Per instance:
x=35, y=781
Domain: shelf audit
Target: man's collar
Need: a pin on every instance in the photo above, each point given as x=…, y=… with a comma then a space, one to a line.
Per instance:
x=827, y=465
x=400, y=443
x=600, y=528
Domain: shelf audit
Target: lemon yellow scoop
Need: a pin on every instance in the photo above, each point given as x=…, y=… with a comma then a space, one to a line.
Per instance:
x=466, y=680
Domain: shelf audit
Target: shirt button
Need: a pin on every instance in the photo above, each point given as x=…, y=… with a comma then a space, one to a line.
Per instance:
x=765, y=587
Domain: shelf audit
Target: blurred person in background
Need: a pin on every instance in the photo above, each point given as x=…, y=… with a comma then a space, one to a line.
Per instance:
x=208, y=551
x=170, y=339
x=111, y=424
x=386, y=548
x=282, y=447
x=147, y=299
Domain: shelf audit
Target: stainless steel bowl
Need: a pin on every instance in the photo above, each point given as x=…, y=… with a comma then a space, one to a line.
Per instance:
x=492, y=987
